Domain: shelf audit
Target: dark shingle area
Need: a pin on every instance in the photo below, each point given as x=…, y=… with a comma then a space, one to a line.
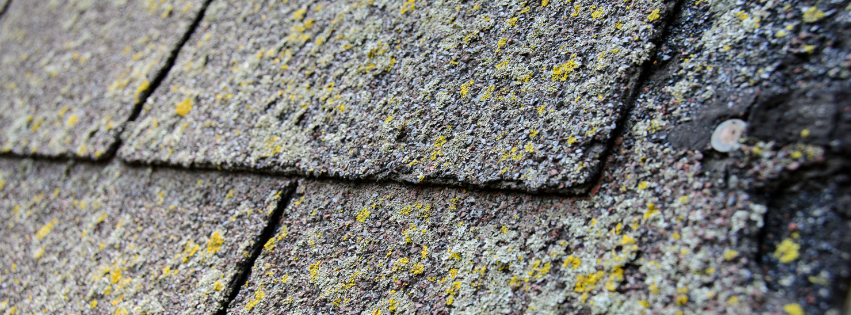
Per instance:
x=521, y=95
x=73, y=71
x=110, y=239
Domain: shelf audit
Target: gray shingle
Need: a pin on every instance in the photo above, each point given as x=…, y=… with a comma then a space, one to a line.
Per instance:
x=507, y=94
x=72, y=71
x=92, y=239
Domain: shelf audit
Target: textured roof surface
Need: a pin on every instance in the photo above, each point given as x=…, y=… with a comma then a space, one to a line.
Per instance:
x=363, y=102
x=390, y=248
x=118, y=240
x=72, y=71
x=502, y=94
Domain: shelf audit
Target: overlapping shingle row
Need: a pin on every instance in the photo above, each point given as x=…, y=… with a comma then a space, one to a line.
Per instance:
x=575, y=97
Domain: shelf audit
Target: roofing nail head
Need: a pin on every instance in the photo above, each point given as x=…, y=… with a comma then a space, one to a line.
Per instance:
x=726, y=136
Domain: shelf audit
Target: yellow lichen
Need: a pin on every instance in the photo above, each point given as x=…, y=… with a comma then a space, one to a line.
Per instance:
x=142, y=88
x=614, y=279
x=576, y=10
x=813, y=14
x=732, y=300
x=730, y=254
x=561, y=72
x=465, y=88
x=362, y=215
x=651, y=209
x=402, y=261
x=45, y=229
x=38, y=253
x=72, y=120
x=299, y=14
x=417, y=268
x=270, y=244
x=793, y=309
x=653, y=15
x=218, y=286
x=190, y=250
x=184, y=107
x=587, y=283
x=654, y=288
x=539, y=270
x=258, y=296
x=440, y=142
x=571, y=139
x=215, y=242
x=501, y=43
x=787, y=251
x=314, y=270
x=572, y=262
x=407, y=6
x=627, y=240
x=488, y=93
x=114, y=276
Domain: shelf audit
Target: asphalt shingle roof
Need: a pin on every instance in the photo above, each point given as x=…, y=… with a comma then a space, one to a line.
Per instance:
x=73, y=71
x=113, y=239
x=521, y=95
x=382, y=109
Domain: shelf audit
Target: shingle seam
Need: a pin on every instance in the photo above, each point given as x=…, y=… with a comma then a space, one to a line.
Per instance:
x=162, y=73
x=5, y=8
x=169, y=63
x=645, y=72
x=269, y=231
x=158, y=79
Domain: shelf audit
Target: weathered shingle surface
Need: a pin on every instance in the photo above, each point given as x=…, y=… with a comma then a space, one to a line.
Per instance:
x=697, y=217
x=782, y=67
x=391, y=248
x=112, y=239
x=72, y=71
x=505, y=94
x=661, y=222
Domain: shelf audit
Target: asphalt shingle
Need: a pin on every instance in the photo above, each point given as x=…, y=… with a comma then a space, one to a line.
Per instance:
x=111, y=239
x=507, y=94
x=391, y=248
x=381, y=90
x=73, y=71
x=672, y=227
